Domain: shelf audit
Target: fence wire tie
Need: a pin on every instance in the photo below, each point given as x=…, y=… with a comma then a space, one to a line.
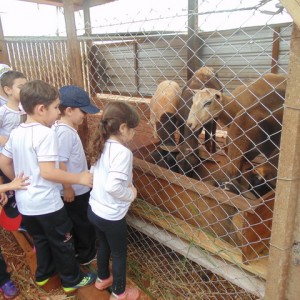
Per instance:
x=280, y=248
x=288, y=179
x=292, y=107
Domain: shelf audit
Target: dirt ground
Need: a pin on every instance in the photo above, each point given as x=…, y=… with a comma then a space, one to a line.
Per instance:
x=20, y=272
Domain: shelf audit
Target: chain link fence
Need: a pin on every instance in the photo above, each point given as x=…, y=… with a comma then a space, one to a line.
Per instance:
x=206, y=151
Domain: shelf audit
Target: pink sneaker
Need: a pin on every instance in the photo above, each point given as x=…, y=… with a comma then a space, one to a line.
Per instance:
x=102, y=284
x=129, y=294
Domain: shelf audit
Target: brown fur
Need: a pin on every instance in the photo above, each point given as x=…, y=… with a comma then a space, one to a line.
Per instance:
x=225, y=107
x=254, y=115
x=188, y=157
x=164, y=105
x=263, y=177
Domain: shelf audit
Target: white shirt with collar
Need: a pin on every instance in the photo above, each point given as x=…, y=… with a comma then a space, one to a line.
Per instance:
x=28, y=145
x=112, y=195
x=70, y=151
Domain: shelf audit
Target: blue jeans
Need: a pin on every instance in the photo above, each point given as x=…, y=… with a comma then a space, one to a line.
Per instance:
x=112, y=236
x=4, y=275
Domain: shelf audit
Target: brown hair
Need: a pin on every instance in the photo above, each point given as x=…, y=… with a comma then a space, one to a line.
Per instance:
x=114, y=114
x=37, y=92
x=8, y=78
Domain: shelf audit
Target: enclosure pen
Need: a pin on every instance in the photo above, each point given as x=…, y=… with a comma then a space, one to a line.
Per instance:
x=215, y=156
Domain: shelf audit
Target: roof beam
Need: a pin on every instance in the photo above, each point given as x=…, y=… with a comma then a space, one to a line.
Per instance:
x=78, y=4
x=293, y=8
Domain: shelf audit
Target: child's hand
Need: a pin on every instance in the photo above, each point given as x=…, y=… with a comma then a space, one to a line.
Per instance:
x=3, y=199
x=134, y=190
x=19, y=183
x=86, y=178
x=69, y=194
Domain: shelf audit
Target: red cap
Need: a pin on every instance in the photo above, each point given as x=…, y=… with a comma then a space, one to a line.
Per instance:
x=10, y=218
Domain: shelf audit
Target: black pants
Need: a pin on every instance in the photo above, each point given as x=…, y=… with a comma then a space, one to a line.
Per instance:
x=112, y=237
x=4, y=275
x=54, y=247
x=83, y=231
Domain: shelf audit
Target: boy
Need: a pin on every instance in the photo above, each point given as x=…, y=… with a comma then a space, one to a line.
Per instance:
x=10, y=116
x=32, y=149
x=10, y=113
x=3, y=68
x=74, y=105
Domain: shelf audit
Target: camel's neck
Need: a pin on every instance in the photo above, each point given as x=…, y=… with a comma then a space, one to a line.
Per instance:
x=230, y=108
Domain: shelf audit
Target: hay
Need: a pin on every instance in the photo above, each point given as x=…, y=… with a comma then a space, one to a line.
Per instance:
x=20, y=272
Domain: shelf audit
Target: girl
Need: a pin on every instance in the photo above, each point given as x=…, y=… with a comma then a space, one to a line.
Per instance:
x=112, y=195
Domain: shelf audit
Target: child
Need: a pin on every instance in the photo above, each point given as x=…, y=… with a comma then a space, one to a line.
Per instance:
x=32, y=149
x=3, y=98
x=112, y=195
x=10, y=116
x=74, y=105
x=10, y=113
x=7, y=287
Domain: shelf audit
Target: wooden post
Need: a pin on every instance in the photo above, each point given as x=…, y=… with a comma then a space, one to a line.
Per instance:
x=89, y=58
x=284, y=261
x=73, y=44
x=3, y=51
x=193, y=44
x=74, y=58
x=275, y=50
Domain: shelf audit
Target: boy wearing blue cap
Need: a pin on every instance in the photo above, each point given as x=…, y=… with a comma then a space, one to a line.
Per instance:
x=74, y=105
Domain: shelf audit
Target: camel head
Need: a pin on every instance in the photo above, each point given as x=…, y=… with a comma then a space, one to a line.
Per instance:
x=207, y=105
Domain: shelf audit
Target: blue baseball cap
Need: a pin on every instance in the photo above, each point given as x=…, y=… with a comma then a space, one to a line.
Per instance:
x=74, y=96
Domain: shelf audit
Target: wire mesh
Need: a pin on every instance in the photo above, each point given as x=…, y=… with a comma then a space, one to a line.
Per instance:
x=206, y=151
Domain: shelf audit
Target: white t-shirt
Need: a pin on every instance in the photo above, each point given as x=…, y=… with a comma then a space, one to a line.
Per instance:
x=9, y=120
x=111, y=195
x=28, y=145
x=3, y=100
x=70, y=151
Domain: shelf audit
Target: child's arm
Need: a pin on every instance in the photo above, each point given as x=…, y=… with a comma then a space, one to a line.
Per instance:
x=19, y=183
x=69, y=194
x=7, y=167
x=51, y=173
x=3, y=140
x=3, y=196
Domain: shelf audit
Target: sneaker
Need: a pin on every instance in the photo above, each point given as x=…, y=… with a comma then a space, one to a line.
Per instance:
x=42, y=283
x=129, y=294
x=86, y=280
x=22, y=228
x=102, y=284
x=9, y=290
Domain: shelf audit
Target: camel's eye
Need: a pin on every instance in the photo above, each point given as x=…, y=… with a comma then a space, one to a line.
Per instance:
x=207, y=103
